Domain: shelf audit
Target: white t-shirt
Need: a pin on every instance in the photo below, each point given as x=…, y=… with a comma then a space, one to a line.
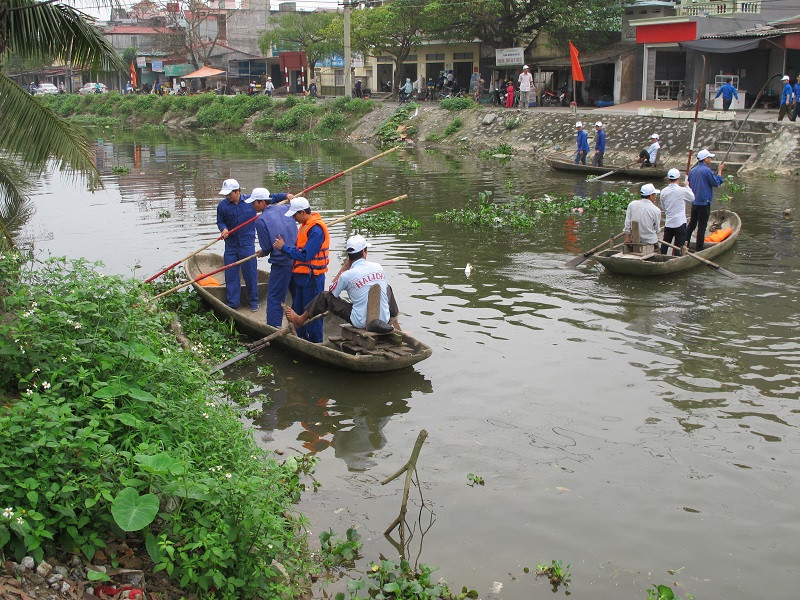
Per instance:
x=652, y=150
x=673, y=201
x=525, y=82
x=649, y=217
x=357, y=281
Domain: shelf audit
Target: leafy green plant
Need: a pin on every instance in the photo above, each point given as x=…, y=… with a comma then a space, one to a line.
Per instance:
x=385, y=222
x=512, y=123
x=331, y=122
x=489, y=214
x=387, y=580
x=503, y=151
x=454, y=104
x=337, y=552
x=663, y=592
x=282, y=178
x=164, y=214
x=107, y=425
x=453, y=127
x=388, y=132
x=433, y=137
x=475, y=479
x=733, y=186
x=555, y=572
x=121, y=170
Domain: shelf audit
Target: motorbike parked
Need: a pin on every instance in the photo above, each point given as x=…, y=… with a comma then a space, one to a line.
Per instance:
x=558, y=98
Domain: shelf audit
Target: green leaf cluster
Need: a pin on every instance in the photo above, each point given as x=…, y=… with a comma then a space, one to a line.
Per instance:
x=337, y=552
x=555, y=572
x=107, y=426
x=388, y=132
x=456, y=104
x=391, y=221
x=387, y=580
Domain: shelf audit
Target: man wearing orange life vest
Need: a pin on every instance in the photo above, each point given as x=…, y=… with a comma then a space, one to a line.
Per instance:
x=310, y=262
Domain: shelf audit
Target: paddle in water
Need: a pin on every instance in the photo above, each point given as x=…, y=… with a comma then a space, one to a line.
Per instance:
x=705, y=261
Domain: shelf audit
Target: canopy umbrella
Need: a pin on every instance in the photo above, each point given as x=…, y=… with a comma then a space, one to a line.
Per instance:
x=204, y=72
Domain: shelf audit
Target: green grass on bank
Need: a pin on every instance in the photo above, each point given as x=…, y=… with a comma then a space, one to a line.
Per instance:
x=293, y=114
x=110, y=431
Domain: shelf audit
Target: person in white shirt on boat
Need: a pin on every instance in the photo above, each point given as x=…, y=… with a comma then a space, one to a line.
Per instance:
x=647, y=214
x=649, y=155
x=356, y=277
x=673, y=200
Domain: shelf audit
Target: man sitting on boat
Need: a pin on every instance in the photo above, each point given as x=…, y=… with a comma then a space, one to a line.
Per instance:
x=647, y=214
x=356, y=277
x=649, y=155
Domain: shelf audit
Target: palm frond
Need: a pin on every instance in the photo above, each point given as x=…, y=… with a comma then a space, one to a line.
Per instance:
x=34, y=135
x=49, y=31
x=15, y=208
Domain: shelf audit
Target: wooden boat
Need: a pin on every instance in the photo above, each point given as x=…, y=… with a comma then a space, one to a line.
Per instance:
x=561, y=164
x=654, y=264
x=385, y=356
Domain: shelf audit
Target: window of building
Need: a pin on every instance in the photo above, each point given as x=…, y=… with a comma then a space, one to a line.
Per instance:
x=385, y=59
x=411, y=58
x=432, y=57
x=462, y=55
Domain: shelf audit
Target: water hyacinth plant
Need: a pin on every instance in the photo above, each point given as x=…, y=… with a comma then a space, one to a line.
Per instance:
x=390, y=221
x=108, y=425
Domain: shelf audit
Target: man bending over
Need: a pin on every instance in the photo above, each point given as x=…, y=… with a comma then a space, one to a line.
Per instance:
x=356, y=277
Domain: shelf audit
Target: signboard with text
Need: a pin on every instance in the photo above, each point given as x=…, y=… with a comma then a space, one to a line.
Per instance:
x=510, y=57
x=158, y=66
x=141, y=61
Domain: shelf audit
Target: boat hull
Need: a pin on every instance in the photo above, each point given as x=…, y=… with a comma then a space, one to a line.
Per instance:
x=659, y=264
x=627, y=172
x=254, y=325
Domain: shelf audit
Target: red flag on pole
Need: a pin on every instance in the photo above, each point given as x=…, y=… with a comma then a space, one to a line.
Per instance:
x=133, y=75
x=577, y=72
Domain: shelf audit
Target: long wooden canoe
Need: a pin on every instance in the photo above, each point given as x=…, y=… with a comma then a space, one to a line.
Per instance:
x=560, y=164
x=384, y=357
x=652, y=265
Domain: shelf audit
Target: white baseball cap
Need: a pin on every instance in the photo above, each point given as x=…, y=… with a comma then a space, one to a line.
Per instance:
x=598, y=124
x=654, y=136
x=356, y=243
x=228, y=186
x=578, y=124
x=785, y=78
x=648, y=189
x=296, y=205
x=526, y=67
x=258, y=194
x=704, y=154
x=671, y=174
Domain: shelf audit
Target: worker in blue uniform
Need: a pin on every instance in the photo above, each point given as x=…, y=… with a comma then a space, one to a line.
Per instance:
x=583, y=144
x=702, y=181
x=599, y=145
x=728, y=93
x=232, y=211
x=786, y=99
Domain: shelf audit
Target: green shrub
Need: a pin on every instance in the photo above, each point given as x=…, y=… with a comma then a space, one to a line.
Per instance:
x=331, y=123
x=100, y=405
x=457, y=103
x=512, y=124
x=298, y=116
x=454, y=126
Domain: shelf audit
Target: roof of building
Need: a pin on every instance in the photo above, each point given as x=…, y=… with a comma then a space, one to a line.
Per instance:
x=591, y=58
x=762, y=31
x=137, y=30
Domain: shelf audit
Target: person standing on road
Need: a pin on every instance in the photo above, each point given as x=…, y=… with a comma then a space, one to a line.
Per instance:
x=310, y=255
x=786, y=99
x=509, y=95
x=702, y=181
x=728, y=93
x=673, y=200
x=526, y=87
x=796, y=99
x=269, y=87
x=599, y=145
x=647, y=214
x=583, y=144
x=232, y=211
x=272, y=223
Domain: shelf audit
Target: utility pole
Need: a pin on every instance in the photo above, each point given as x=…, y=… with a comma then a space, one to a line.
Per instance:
x=348, y=59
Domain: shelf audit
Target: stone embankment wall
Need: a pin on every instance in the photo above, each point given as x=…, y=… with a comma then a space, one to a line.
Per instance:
x=541, y=132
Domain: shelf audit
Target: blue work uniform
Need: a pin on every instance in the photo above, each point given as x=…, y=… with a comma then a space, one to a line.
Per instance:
x=272, y=223
x=728, y=93
x=240, y=244
x=583, y=147
x=599, y=148
x=702, y=181
x=786, y=101
x=304, y=287
x=796, y=103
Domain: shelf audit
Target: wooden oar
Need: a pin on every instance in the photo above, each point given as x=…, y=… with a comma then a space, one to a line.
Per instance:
x=705, y=261
x=255, y=255
x=604, y=175
x=582, y=257
x=300, y=193
x=261, y=344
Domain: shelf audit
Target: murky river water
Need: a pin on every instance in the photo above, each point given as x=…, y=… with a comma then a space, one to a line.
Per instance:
x=626, y=427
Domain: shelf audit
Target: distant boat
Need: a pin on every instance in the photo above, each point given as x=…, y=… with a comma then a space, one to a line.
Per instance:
x=332, y=351
x=655, y=264
x=560, y=164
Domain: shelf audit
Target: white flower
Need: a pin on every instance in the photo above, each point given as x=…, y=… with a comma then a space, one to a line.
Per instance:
x=37, y=370
x=21, y=349
x=34, y=305
x=28, y=391
x=20, y=520
x=219, y=467
x=228, y=475
x=8, y=513
x=205, y=415
x=211, y=469
x=77, y=325
x=45, y=385
x=63, y=359
x=269, y=546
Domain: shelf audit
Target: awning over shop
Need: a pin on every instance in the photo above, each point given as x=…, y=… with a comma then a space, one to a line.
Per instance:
x=605, y=55
x=204, y=72
x=723, y=45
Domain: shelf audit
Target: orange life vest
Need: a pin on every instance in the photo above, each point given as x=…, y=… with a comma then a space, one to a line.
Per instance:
x=718, y=235
x=319, y=263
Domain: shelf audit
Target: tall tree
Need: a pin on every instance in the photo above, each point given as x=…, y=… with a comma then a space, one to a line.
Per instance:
x=194, y=27
x=31, y=135
x=517, y=23
x=307, y=31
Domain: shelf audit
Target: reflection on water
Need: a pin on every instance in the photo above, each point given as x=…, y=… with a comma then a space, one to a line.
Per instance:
x=626, y=426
